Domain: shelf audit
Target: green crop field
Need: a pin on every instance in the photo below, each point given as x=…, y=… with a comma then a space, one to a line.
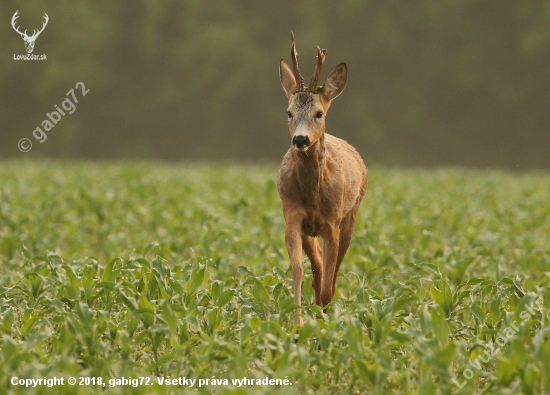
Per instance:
x=122, y=275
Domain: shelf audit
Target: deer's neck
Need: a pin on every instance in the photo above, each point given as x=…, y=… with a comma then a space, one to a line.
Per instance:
x=310, y=168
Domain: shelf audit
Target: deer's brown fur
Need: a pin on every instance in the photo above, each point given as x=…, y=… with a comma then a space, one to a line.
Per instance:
x=322, y=180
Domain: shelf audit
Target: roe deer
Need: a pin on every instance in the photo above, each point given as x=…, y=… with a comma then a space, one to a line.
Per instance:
x=321, y=182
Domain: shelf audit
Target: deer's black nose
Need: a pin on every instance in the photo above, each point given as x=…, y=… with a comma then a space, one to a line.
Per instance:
x=300, y=141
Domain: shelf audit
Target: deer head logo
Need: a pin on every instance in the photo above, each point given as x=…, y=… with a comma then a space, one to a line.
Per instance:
x=29, y=40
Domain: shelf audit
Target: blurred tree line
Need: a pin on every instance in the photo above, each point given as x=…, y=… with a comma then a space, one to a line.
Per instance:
x=431, y=82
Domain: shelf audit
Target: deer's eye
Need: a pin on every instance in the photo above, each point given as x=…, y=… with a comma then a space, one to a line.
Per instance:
x=289, y=114
x=319, y=114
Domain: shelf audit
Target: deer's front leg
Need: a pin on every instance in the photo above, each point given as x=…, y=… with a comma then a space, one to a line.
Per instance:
x=294, y=247
x=330, y=256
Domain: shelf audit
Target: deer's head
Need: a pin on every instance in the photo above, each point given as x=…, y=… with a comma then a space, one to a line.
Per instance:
x=307, y=107
x=29, y=40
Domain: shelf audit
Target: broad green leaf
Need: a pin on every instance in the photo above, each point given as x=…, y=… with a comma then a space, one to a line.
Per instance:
x=440, y=326
x=108, y=274
x=25, y=251
x=127, y=301
x=259, y=292
x=225, y=297
x=494, y=311
x=8, y=321
x=243, y=269
x=150, y=247
x=73, y=281
x=215, y=290
x=477, y=312
x=441, y=294
x=169, y=317
x=196, y=279
x=145, y=311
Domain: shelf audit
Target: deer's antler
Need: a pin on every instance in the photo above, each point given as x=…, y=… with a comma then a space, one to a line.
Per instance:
x=321, y=54
x=46, y=19
x=24, y=34
x=13, y=19
x=294, y=54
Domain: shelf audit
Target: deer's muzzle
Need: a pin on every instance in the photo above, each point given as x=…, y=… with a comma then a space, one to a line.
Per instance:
x=300, y=142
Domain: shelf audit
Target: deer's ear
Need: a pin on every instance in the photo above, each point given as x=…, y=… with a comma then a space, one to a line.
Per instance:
x=336, y=81
x=287, y=78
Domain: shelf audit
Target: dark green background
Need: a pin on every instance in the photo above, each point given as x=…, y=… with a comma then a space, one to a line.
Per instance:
x=431, y=82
